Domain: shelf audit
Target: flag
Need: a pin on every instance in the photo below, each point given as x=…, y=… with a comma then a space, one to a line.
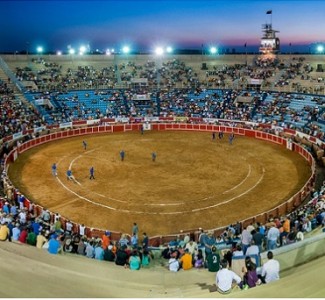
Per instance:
x=245, y=45
x=269, y=12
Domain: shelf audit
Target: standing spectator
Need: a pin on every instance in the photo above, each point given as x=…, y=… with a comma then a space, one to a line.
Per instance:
x=145, y=242
x=252, y=249
x=246, y=238
x=209, y=241
x=272, y=237
x=134, y=241
x=285, y=230
x=106, y=239
x=82, y=229
x=84, y=144
x=135, y=229
x=225, y=278
x=271, y=269
x=258, y=238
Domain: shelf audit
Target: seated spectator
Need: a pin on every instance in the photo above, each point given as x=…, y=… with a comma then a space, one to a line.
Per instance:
x=145, y=261
x=213, y=260
x=199, y=259
x=134, y=261
x=238, y=251
x=226, y=279
x=54, y=244
x=173, y=264
x=67, y=245
x=250, y=276
x=16, y=232
x=31, y=238
x=186, y=261
x=270, y=270
x=122, y=256
x=4, y=232
x=23, y=235
x=109, y=255
x=99, y=251
x=40, y=240
x=81, y=246
x=90, y=251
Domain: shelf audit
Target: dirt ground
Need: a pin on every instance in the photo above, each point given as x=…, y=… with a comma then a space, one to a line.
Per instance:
x=194, y=182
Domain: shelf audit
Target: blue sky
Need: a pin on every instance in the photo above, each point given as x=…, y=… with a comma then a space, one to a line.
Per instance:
x=146, y=24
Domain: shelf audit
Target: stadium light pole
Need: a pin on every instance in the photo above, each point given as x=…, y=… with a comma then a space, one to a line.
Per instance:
x=320, y=49
x=39, y=51
x=159, y=51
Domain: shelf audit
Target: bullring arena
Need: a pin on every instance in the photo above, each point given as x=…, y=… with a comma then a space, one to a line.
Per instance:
x=195, y=182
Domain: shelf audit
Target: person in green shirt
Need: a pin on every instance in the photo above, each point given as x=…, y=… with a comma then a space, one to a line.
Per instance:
x=213, y=260
x=31, y=238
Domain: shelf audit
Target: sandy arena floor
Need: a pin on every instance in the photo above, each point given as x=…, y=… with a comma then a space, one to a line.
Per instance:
x=195, y=182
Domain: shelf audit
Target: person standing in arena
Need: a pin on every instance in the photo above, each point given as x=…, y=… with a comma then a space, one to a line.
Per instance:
x=84, y=143
x=54, y=170
x=92, y=172
x=231, y=138
x=153, y=156
x=122, y=155
x=213, y=136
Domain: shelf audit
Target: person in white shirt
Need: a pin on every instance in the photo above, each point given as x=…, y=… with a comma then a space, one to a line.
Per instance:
x=252, y=249
x=271, y=269
x=173, y=264
x=238, y=251
x=225, y=278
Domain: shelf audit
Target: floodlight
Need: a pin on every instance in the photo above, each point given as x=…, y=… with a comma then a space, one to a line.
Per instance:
x=159, y=51
x=108, y=52
x=72, y=51
x=126, y=49
x=59, y=52
x=213, y=50
x=82, y=50
x=320, y=48
x=169, y=49
x=39, y=49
